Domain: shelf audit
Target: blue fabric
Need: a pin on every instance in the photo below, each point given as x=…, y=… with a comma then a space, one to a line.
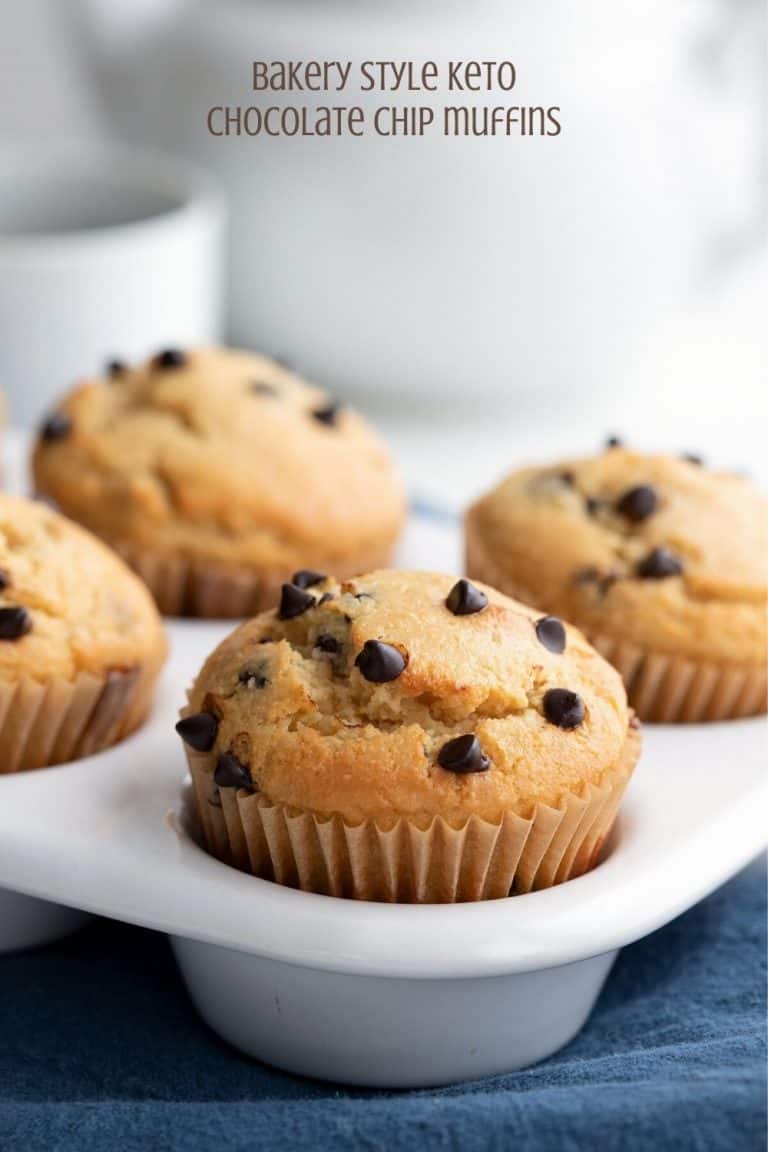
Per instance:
x=100, y=1049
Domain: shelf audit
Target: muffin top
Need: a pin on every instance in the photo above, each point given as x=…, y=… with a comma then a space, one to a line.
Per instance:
x=657, y=550
x=221, y=455
x=67, y=603
x=407, y=693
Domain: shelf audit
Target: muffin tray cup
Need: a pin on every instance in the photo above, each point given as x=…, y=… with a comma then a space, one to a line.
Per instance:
x=374, y=994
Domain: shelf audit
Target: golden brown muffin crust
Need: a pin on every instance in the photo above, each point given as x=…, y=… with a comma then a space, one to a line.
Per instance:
x=293, y=705
x=227, y=457
x=558, y=537
x=74, y=604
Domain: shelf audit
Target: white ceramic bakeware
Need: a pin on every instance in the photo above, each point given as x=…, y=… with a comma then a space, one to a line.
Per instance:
x=372, y=994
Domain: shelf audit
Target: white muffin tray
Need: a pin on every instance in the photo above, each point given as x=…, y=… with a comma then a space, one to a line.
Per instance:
x=372, y=994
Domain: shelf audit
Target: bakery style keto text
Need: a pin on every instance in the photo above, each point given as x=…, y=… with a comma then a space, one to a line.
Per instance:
x=470, y=85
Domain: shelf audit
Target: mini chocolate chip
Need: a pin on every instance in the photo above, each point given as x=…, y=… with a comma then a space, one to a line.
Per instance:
x=56, y=427
x=567, y=478
x=638, y=503
x=5, y=579
x=231, y=773
x=266, y=640
x=327, y=414
x=563, y=707
x=614, y=442
x=306, y=578
x=199, y=730
x=380, y=662
x=592, y=575
x=608, y=580
x=363, y=596
x=253, y=680
x=465, y=600
x=116, y=368
x=659, y=564
x=463, y=754
x=692, y=458
x=170, y=358
x=589, y=575
x=550, y=632
x=261, y=388
x=328, y=644
x=14, y=623
x=326, y=596
x=593, y=505
x=293, y=602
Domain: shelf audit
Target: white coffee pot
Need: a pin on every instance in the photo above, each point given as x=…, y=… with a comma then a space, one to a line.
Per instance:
x=479, y=269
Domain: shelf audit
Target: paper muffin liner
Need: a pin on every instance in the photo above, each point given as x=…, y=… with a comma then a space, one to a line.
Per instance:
x=667, y=689
x=185, y=587
x=48, y=723
x=662, y=688
x=404, y=862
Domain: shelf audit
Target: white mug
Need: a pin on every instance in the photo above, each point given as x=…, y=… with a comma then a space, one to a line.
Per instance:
x=105, y=253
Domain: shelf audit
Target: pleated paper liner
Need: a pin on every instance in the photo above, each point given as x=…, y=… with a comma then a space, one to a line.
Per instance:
x=183, y=587
x=662, y=688
x=666, y=689
x=404, y=862
x=48, y=723
x=202, y=589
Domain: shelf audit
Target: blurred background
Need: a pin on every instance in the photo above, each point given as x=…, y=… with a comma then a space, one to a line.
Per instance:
x=485, y=300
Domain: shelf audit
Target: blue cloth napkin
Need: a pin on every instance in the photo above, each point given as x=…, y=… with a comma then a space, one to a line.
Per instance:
x=101, y=1049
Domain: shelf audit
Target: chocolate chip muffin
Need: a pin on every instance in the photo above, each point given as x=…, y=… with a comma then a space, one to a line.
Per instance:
x=81, y=643
x=216, y=473
x=663, y=563
x=407, y=737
